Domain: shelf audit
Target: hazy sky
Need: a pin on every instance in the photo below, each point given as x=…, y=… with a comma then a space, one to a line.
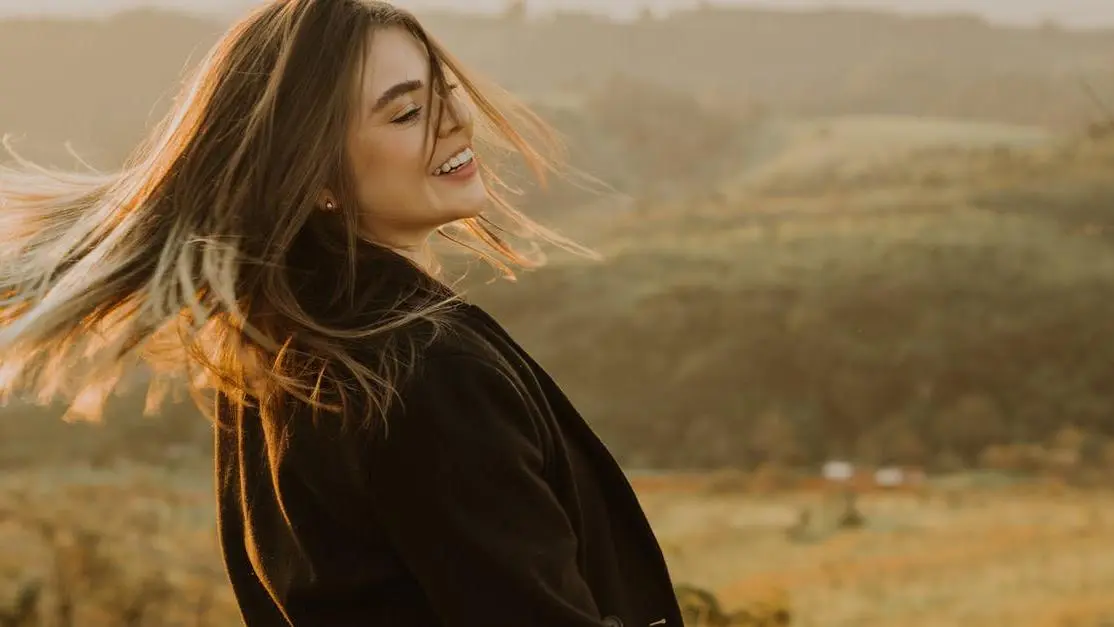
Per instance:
x=1079, y=13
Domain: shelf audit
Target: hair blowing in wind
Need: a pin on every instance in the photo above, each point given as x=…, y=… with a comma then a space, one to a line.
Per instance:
x=192, y=257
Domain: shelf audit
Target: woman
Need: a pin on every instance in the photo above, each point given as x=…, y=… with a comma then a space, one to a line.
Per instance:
x=386, y=454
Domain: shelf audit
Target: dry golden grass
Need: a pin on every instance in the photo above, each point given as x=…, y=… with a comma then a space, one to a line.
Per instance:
x=126, y=548
x=1023, y=556
x=1011, y=556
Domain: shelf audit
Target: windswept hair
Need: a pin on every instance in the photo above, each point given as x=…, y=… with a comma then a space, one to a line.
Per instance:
x=193, y=257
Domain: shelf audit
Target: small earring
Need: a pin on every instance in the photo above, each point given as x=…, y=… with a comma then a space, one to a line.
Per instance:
x=329, y=206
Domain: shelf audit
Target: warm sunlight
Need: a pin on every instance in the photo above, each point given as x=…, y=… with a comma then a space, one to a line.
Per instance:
x=847, y=334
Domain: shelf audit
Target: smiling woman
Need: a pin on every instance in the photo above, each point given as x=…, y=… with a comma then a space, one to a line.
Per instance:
x=385, y=453
x=419, y=185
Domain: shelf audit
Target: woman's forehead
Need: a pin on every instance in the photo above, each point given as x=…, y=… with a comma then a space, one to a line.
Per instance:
x=393, y=56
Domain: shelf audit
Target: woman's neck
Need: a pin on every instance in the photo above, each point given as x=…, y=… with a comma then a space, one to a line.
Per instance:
x=417, y=250
x=423, y=257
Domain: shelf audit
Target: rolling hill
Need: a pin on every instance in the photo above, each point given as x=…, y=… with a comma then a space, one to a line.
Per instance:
x=840, y=254
x=98, y=83
x=915, y=312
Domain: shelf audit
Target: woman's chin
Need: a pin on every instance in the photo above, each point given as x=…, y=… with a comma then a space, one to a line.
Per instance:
x=469, y=205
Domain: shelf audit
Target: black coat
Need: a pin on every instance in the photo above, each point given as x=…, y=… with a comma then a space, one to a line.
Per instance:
x=489, y=503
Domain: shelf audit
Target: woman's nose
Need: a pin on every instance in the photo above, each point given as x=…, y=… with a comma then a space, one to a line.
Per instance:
x=456, y=116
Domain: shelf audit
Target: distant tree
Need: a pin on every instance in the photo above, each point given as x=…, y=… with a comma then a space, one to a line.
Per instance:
x=775, y=438
x=1092, y=451
x=1027, y=458
x=1069, y=437
x=969, y=425
x=1071, y=448
x=892, y=441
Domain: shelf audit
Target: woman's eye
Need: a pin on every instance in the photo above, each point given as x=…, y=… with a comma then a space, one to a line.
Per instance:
x=408, y=117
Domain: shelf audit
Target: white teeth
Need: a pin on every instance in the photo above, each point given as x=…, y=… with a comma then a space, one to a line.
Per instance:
x=457, y=160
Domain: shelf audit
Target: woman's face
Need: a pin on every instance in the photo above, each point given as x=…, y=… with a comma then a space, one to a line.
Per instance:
x=406, y=186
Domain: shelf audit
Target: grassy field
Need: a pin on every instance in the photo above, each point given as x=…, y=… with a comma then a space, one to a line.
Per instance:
x=140, y=542
x=1011, y=556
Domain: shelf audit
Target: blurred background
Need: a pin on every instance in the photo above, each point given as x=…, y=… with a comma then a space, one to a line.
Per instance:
x=851, y=337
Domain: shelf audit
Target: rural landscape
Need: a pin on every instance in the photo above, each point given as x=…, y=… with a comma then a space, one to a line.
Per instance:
x=849, y=334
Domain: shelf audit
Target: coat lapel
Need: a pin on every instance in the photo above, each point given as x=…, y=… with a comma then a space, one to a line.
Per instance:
x=610, y=473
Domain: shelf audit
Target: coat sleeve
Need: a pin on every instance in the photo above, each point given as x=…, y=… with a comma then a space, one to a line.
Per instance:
x=456, y=482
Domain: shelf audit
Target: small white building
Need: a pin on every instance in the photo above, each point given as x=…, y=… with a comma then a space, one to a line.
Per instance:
x=889, y=477
x=895, y=476
x=839, y=471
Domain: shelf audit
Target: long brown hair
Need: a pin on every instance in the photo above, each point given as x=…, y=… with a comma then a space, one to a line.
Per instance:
x=188, y=257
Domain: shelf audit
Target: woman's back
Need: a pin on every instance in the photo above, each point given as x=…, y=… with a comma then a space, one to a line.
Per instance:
x=487, y=501
x=385, y=454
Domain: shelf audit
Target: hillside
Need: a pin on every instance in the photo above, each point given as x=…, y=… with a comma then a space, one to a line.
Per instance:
x=97, y=83
x=923, y=310
x=918, y=312
x=803, y=275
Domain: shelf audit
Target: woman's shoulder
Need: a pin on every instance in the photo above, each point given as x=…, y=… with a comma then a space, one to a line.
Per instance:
x=466, y=351
x=466, y=379
x=464, y=337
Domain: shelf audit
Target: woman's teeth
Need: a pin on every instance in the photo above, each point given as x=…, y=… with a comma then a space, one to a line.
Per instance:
x=455, y=163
